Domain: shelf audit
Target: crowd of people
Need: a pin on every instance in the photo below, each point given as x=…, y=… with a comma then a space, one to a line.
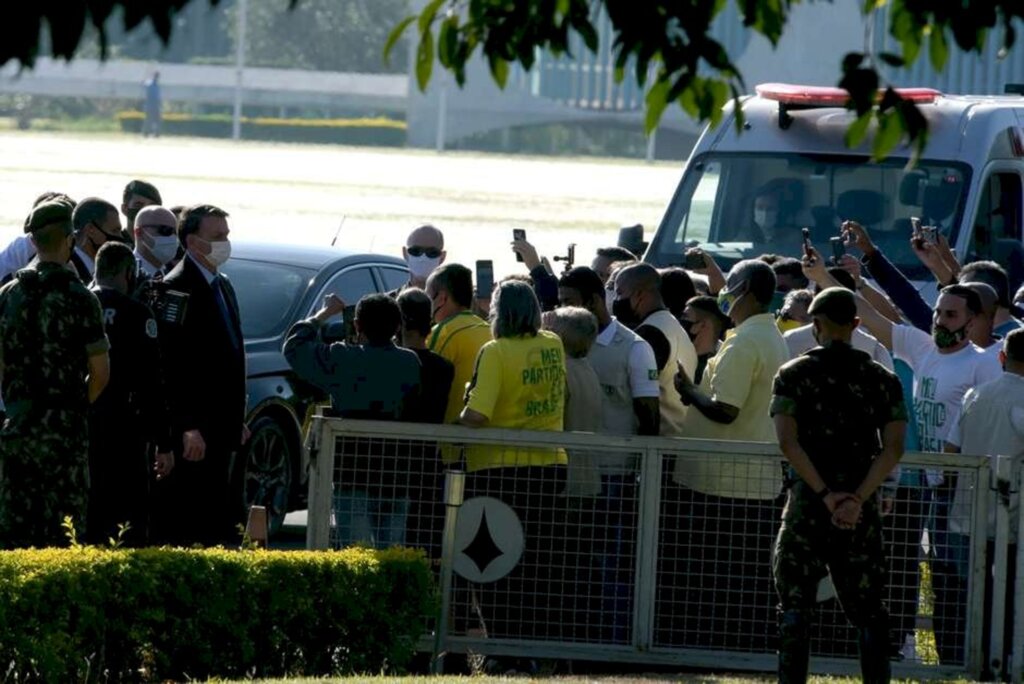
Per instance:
x=124, y=391
x=124, y=386
x=708, y=354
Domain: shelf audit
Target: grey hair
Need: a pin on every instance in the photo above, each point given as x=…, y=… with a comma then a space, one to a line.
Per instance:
x=804, y=297
x=576, y=326
x=515, y=311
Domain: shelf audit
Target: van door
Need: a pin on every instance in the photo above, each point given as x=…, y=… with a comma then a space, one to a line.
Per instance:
x=997, y=228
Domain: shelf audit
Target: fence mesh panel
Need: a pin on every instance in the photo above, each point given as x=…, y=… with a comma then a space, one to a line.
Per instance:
x=679, y=563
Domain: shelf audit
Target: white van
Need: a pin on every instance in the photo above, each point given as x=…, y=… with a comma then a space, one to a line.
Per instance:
x=743, y=195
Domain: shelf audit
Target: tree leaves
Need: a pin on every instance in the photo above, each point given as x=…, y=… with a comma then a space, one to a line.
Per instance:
x=395, y=36
x=425, y=60
x=666, y=43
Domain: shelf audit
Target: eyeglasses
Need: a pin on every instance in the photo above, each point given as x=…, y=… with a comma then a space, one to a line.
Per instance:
x=429, y=252
x=162, y=231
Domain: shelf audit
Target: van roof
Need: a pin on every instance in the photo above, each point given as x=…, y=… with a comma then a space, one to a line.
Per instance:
x=960, y=127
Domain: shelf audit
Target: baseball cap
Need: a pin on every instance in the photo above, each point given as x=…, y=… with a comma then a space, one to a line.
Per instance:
x=837, y=304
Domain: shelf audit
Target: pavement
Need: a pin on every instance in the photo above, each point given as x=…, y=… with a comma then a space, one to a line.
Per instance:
x=300, y=193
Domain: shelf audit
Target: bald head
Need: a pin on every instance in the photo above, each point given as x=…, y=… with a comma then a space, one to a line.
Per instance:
x=638, y=278
x=426, y=236
x=637, y=293
x=154, y=216
x=423, y=253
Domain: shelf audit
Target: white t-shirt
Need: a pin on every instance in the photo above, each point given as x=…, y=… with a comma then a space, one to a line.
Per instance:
x=802, y=340
x=991, y=423
x=940, y=381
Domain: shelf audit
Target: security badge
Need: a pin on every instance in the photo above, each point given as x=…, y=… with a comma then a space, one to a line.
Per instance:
x=151, y=328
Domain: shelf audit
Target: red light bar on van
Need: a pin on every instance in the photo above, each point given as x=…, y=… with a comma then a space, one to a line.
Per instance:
x=816, y=96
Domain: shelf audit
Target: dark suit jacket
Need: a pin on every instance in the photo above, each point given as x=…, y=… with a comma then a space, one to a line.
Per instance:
x=205, y=371
x=80, y=267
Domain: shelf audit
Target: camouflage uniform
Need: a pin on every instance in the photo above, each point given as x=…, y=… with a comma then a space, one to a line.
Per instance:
x=841, y=400
x=49, y=326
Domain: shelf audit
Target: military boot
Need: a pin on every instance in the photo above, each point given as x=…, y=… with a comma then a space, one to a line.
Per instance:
x=794, y=647
x=873, y=641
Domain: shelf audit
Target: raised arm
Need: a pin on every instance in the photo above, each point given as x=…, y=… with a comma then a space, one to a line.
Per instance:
x=877, y=324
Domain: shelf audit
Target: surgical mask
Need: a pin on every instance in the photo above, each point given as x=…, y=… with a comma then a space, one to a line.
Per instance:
x=422, y=266
x=163, y=248
x=766, y=218
x=945, y=338
x=220, y=252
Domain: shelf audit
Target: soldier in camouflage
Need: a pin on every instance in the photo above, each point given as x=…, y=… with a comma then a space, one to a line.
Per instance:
x=840, y=419
x=53, y=359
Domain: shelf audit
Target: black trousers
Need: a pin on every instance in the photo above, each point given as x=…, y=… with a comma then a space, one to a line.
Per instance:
x=715, y=588
x=201, y=502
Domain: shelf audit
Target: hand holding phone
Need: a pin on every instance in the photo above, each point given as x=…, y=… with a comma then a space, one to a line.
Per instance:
x=694, y=260
x=916, y=236
x=838, y=249
x=807, y=242
x=484, y=279
x=518, y=234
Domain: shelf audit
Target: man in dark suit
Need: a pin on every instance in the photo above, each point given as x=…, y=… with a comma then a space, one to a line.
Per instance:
x=96, y=223
x=205, y=361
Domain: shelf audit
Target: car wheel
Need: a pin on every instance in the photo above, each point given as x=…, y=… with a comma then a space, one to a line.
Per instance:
x=267, y=476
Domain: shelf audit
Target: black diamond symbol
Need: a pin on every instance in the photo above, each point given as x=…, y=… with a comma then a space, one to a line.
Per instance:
x=482, y=550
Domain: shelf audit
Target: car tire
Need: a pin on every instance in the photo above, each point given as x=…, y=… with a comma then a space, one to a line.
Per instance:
x=268, y=469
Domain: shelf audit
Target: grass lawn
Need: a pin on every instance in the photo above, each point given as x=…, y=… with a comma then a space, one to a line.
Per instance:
x=623, y=679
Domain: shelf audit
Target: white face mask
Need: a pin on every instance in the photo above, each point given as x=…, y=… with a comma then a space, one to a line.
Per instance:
x=163, y=248
x=219, y=252
x=766, y=218
x=422, y=266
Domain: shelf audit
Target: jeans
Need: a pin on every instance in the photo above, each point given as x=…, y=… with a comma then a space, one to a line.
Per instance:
x=372, y=521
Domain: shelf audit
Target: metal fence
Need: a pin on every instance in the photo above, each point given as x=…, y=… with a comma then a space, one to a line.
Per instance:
x=656, y=550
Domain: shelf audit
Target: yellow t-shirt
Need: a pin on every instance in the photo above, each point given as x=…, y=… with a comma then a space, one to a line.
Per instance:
x=519, y=383
x=458, y=338
x=741, y=374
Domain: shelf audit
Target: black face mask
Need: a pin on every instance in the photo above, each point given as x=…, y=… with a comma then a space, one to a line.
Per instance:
x=623, y=311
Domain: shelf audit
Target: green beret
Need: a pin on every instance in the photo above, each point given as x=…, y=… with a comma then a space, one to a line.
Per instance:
x=53, y=211
x=837, y=304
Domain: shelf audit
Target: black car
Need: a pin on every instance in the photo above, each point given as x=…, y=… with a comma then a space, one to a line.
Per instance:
x=277, y=285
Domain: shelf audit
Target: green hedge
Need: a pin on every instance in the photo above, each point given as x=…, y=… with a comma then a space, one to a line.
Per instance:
x=90, y=614
x=371, y=132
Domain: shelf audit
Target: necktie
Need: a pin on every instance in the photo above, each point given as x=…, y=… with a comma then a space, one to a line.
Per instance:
x=222, y=304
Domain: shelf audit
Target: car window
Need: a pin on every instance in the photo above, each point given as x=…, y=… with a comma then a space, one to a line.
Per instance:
x=394, y=278
x=351, y=285
x=267, y=294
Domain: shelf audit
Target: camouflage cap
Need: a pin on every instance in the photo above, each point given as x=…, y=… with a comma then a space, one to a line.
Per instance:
x=57, y=210
x=837, y=304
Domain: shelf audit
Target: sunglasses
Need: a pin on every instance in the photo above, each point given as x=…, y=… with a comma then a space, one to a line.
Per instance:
x=429, y=252
x=162, y=231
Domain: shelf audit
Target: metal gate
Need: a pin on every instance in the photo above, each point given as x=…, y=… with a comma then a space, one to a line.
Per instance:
x=623, y=555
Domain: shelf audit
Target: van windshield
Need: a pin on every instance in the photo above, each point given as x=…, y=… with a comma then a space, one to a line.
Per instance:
x=738, y=206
